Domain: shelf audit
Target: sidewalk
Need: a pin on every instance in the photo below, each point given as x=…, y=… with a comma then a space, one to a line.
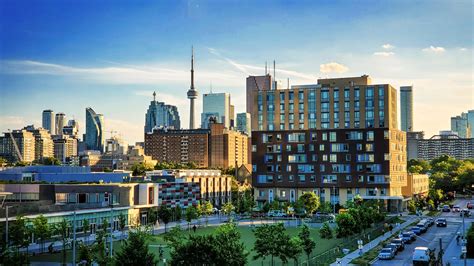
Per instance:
x=355, y=254
x=452, y=254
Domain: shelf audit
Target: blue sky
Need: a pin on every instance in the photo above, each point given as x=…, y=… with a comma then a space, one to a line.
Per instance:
x=111, y=55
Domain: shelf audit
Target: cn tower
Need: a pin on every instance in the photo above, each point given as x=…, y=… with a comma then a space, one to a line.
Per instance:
x=192, y=94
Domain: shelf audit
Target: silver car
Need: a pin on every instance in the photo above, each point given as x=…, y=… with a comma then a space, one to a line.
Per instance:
x=386, y=254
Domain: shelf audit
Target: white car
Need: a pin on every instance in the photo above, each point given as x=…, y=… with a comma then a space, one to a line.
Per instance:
x=421, y=255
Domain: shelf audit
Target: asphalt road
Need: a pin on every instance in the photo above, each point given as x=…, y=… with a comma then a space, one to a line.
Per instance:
x=431, y=238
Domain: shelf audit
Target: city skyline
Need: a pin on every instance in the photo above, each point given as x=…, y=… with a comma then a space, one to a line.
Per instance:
x=110, y=66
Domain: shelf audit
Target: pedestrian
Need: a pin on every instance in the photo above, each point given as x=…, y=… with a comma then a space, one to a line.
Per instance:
x=390, y=227
x=194, y=228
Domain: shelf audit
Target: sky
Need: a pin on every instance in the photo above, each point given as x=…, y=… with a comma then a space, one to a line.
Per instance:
x=112, y=55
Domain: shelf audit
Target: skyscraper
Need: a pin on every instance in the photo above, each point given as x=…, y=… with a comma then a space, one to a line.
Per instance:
x=44, y=146
x=72, y=128
x=406, y=108
x=94, y=137
x=60, y=123
x=218, y=105
x=460, y=125
x=470, y=121
x=192, y=94
x=160, y=114
x=243, y=123
x=48, y=121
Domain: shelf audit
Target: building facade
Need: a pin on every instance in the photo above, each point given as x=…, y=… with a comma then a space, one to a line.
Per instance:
x=182, y=194
x=229, y=148
x=160, y=114
x=60, y=122
x=18, y=145
x=72, y=128
x=338, y=138
x=417, y=185
x=412, y=143
x=94, y=136
x=48, y=121
x=65, y=148
x=243, y=123
x=406, y=108
x=44, y=146
x=217, y=105
x=460, y=124
x=446, y=143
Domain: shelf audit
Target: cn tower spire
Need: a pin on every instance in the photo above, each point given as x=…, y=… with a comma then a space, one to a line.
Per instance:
x=192, y=93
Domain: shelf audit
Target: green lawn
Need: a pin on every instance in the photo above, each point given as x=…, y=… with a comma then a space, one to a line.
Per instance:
x=247, y=238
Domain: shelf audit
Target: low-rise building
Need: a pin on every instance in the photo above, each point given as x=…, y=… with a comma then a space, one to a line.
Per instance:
x=417, y=185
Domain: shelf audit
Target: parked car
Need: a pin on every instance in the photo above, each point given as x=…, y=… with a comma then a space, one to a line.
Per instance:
x=392, y=246
x=446, y=208
x=276, y=213
x=421, y=255
x=456, y=208
x=412, y=235
x=441, y=222
x=431, y=221
x=407, y=238
x=416, y=230
x=469, y=205
x=423, y=225
x=466, y=212
x=386, y=254
x=399, y=242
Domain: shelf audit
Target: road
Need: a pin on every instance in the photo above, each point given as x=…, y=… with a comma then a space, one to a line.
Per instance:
x=431, y=238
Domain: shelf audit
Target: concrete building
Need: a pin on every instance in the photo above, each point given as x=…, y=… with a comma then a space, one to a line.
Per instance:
x=338, y=138
x=406, y=108
x=134, y=156
x=412, y=143
x=229, y=148
x=60, y=122
x=160, y=114
x=446, y=143
x=18, y=145
x=94, y=137
x=72, y=128
x=65, y=148
x=192, y=95
x=214, y=187
x=470, y=121
x=44, y=146
x=232, y=116
x=244, y=123
x=417, y=185
x=116, y=145
x=48, y=121
x=179, y=146
x=460, y=125
x=217, y=104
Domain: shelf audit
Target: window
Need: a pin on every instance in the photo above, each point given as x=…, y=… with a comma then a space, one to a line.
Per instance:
x=354, y=135
x=359, y=146
x=297, y=158
x=346, y=94
x=325, y=136
x=254, y=148
x=290, y=178
x=332, y=136
x=348, y=157
x=279, y=178
x=341, y=168
x=305, y=168
x=282, y=107
x=370, y=136
x=151, y=195
x=61, y=197
x=325, y=157
x=282, y=96
x=333, y=158
x=348, y=179
x=300, y=147
x=261, y=193
x=324, y=95
x=300, y=95
x=360, y=178
x=322, y=168
x=267, y=138
x=365, y=158
x=339, y=147
x=282, y=193
x=314, y=137
x=369, y=147
x=312, y=178
x=302, y=178
x=369, y=92
x=329, y=178
x=314, y=157
x=321, y=147
x=296, y=137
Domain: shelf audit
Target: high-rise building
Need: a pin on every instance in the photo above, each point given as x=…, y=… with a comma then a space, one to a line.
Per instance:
x=160, y=114
x=232, y=116
x=243, y=123
x=413, y=138
x=460, y=125
x=337, y=138
x=215, y=105
x=192, y=95
x=48, y=121
x=116, y=145
x=18, y=145
x=72, y=128
x=229, y=148
x=94, y=136
x=406, y=108
x=446, y=143
x=44, y=146
x=60, y=123
x=65, y=148
x=470, y=121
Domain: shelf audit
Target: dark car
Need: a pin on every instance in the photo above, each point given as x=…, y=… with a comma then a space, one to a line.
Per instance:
x=430, y=221
x=412, y=235
x=470, y=205
x=446, y=208
x=406, y=237
x=399, y=242
x=441, y=222
x=423, y=227
x=416, y=230
x=392, y=246
x=466, y=213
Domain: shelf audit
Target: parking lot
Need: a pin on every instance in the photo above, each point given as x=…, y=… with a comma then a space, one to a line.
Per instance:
x=429, y=239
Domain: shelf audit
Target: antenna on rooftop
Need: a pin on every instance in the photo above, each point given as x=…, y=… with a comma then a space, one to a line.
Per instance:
x=288, y=83
x=274, y=75
x=210, y=89
x=266, y=68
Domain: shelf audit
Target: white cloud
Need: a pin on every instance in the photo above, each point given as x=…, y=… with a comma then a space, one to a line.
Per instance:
x=434, y=49
x=388, y=46
x=385, y=54
x=333, y=67
x=462, y=49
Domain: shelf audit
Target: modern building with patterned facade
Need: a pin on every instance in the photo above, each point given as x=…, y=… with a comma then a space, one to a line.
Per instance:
x=217, y=105
x=60, y=122
x=338, y=138
x=406, y=108
x=94, y=137
x=173, y=194
x=446, y=143
x=460, y=124
x=243, y=123
x=160, y=114
x=48, y=122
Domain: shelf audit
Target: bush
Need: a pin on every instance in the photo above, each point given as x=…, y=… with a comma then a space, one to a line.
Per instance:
x=470, y=242
x=325, y=231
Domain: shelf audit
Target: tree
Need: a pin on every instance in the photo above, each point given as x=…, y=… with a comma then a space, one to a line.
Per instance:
x=139, y=169
x=418, y=166
x=86, y=255
x=310, y=202
x=122, y=223
x=178, y=213
x=293, y=249
x=41, y=229
x=62, y=230
x=51, y=161
x=271, y=240
x=411, y=206
x=222, y=248
x=191, y=213
x=99, y=249
x=135, y=250
x=345, y=225
x=325, y=231
x=227, y=209
x=174, y=237
x=19, y=238
x=165, y=215
x=325, y=207
x=85, y=228
x=306, y=241
x=206, y=210
x=152, y=216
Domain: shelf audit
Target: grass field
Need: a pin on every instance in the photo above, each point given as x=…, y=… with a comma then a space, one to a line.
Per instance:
x=247, y=238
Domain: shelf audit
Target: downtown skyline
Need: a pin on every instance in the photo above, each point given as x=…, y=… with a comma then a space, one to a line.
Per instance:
x=114, y=60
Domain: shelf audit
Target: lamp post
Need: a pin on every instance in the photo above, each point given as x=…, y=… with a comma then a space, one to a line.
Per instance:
x=74, y=239
x=6, y=224
x=334, y=199
x=464, y=248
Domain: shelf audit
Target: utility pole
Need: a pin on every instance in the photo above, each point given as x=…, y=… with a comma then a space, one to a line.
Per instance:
x=6, y=225
x=441, y=253
x=464, y=238
x=111, y=229
x=74, y=239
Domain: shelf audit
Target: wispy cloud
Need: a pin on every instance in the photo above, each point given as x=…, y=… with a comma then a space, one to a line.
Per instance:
x=434, y=49
x=388, y=46
x=385, y=54
x=333, y=67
